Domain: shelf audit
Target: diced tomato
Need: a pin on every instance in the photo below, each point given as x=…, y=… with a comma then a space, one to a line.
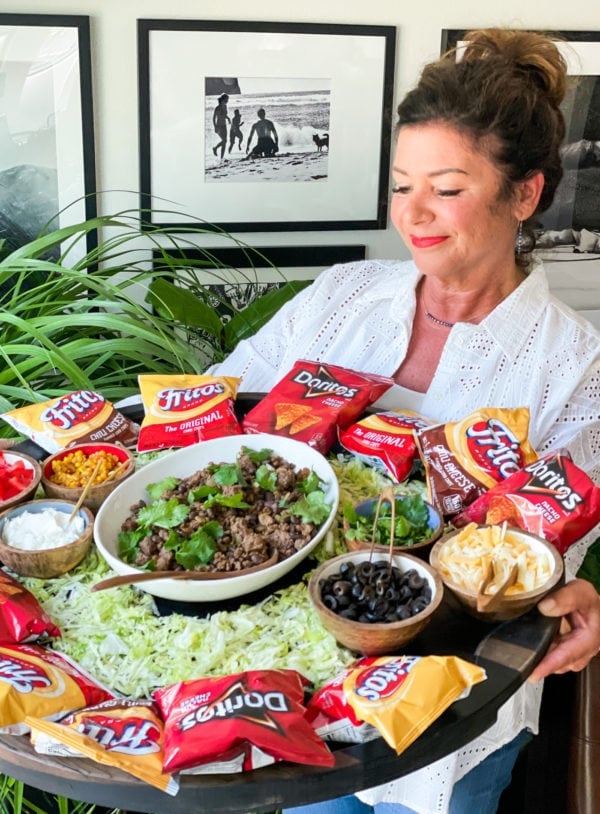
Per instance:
x=14, y=477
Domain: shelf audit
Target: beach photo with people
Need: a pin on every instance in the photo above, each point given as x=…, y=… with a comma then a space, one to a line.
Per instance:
x=273, y=129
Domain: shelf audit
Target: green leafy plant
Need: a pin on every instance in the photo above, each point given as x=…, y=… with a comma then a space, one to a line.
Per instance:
x=99, y=321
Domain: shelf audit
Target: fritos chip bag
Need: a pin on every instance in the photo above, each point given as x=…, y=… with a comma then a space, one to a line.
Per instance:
x=332, y=717
x=126, y=733
x=43, y=683
x=402, y=695
x=22, y=618
x=238, y=722
x=312, y=400
x=551, y=497
x=463, y=459
x=77, y=418
x=183, y=410
x=386, y=441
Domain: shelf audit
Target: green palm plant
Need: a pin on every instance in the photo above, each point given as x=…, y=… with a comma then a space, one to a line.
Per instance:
x=101, y=320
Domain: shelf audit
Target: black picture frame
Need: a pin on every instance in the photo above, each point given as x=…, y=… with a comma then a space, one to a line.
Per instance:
x=47, y=149
x=184, y=65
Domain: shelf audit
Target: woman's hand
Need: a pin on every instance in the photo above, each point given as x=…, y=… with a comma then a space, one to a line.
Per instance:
x=578, y=640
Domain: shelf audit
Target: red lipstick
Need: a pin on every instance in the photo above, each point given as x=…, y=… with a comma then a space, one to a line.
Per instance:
x=426, y=242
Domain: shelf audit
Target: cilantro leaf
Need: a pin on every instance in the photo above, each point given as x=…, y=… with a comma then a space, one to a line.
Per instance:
x=166, y=514
x=201, y=493
x=228, y=475
x=266, y=477
x=129, y=542
x=312, y=508
x=257, y=456
x=155, y=490
x=310, y=484
x=235, y=501
x=200, y=547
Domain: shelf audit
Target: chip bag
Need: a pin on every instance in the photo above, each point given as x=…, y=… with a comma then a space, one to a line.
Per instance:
x=80, y=417
x=550, y=497
x=43, y=683
x=22, y=618
x=386, y=441
x=332, y=717
x=238, y=722
x=463, y=459
x=183, y=410
x=403, y=695
x=311, y=401
x=126, y=733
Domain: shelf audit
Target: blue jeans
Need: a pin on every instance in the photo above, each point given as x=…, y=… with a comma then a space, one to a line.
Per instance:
x=479, y=790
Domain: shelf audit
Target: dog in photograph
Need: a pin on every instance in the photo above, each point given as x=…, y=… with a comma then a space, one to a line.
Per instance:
x=321, y=141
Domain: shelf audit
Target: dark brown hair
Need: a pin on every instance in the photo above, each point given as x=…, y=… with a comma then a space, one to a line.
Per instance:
x=503, y=89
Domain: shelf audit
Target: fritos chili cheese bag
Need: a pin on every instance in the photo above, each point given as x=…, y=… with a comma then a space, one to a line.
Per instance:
x=183, y=410
x=551, y=497
x=463, y=459
x=22, y=618
x=402, y=695
x=386, y=441
x=77, y=418
x=43, y=683
x=238, y=722
x=126, y=733
x=312, y=400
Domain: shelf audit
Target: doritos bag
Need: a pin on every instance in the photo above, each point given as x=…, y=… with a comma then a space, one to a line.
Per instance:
x=238, y=722
x=126, y=733
x=312, y=400
x=463, y=459
x=43, y=683
x=550, y=497
x=183, y=410
x=77, y=418
x=22, y=618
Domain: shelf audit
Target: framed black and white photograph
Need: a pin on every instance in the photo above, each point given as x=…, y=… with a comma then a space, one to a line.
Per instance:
x=568, y=238
x=47, y=165
x=265, y=126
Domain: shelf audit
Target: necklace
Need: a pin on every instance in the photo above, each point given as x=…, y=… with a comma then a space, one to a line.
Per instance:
x=439, y=321
x=445, y=324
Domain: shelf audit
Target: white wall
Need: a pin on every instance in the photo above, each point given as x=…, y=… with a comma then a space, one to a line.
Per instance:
x=419, y=25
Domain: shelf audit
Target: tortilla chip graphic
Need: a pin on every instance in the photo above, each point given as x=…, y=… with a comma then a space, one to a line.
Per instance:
x=287, y=412
x=303, y=422
x=502, y=508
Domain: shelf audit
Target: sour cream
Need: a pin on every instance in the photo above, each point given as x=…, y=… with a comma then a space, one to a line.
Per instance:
x=36, y=531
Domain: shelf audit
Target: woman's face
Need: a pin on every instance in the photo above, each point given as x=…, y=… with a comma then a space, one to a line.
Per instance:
x=446, y=205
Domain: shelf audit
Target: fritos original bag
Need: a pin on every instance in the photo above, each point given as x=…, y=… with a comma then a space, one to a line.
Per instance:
x=80, y=417
x=402, y=695
x=22, y=618
x=386, y=441
x=43, y=683
x=126, y=733
x=465, y=458
x=238, y=722
x=551, y=497
x=183, y=410
x=312, y=400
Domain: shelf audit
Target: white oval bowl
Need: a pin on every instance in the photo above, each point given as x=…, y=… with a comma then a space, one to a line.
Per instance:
x=184, y=462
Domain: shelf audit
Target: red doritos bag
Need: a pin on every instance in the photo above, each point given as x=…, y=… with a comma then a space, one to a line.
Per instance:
x=312, y=400
x=22, y=618
x=238, y=722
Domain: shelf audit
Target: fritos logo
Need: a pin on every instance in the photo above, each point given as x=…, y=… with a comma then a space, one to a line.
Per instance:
x=383, y=680
x=75, y=408
x=174, y=399
x=241, y=703
x=23, y=676
x=493, y=446
x=134, y=736
x=323, y=383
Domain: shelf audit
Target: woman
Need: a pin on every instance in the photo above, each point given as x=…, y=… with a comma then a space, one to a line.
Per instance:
x=468, y=323
x=220, y=120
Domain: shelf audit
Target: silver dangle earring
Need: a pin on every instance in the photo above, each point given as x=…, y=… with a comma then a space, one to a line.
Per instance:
x=520, y=243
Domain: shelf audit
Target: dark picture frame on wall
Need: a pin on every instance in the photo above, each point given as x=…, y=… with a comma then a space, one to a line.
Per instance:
x=255, y=126
x=47, y=153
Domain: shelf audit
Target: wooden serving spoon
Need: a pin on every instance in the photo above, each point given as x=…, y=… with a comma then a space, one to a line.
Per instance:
x=489, y=602
x=146, y=576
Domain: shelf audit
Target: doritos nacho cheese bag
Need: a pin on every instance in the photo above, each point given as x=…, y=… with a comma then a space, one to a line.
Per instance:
x=311, y=401
x=238, y=722
x=465, y=458
x=43, y=683
x=126, y=733
x=183, y=410
x=81, y=417
x=402, y=695
x=22, y=618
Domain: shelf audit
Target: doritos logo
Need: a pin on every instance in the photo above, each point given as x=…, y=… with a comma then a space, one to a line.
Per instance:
x=549, y=478
x=323, y=383
x=241, y=703
x=382, y=681
x=23, y=676
x=493, y=446
x=134, y=736
x=76, y=408
x=173, y=399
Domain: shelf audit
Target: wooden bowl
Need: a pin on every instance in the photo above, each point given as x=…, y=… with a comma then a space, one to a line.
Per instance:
x=367, y=508
x=11, y=457
x=377, y=638
x=49, y=562
x=96, y=494
x=511, y=605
